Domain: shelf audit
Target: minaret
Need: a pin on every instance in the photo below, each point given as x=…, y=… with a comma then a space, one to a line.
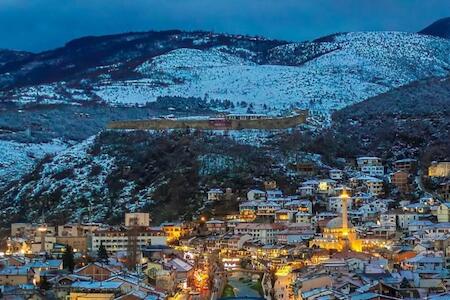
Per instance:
x=43, y=232
x=344, y=198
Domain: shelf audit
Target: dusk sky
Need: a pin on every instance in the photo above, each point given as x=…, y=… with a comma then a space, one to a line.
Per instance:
x=36, y=25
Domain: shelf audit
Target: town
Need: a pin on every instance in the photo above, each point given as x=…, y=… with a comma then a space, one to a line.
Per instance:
x=371, y=230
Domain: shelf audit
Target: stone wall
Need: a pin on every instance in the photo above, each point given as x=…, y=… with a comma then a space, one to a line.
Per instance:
x=161, y=124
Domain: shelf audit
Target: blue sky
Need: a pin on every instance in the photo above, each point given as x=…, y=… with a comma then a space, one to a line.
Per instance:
x=37, y=25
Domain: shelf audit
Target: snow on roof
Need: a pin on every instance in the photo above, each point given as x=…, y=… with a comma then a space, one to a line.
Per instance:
x=405, y=160
x=97, y=285
x=300, y=213
x=259, y=226
x=417, y=205
x=420, y=222
x=215, y=222
x=180, y=265
x=15, y=271
x=51, y=263
x=425, y=259
x=365, y=296
x=297, y=202
x=283, y=211
x=368, y=158
x=310, y=182
x=249, y=203
x=269, y=203
x=256, y=191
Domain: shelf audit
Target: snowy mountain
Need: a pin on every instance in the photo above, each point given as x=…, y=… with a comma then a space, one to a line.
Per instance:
x=57, y=98
x=323, y=75
x=440, y=28
x=17, y=159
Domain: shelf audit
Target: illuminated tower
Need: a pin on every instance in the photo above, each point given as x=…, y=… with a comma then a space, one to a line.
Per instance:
x=43, y=232
x=344, y=198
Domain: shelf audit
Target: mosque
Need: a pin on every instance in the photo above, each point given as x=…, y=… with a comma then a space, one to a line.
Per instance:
x=339, y=234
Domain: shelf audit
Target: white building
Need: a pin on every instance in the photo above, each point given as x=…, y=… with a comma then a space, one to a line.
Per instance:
x=370, y=165
x=401, y=218
x=117, y=240
x=267, y=208
x=336, y=174
x=299, y=205
x=375, y=186
x=443, y=212
x=274, y=194
x=261, y=232
x=373, y=208
x=335, y=204
x=253, y=195
x=306, y=190
x=215, y=194
x=303, y=218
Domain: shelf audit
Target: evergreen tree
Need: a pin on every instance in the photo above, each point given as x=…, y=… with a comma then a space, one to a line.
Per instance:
x=68, y=261
x=102, y=254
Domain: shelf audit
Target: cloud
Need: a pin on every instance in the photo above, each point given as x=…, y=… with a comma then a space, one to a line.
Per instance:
x=36, y=25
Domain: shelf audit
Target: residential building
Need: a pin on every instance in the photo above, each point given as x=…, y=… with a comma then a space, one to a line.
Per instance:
x=234, y=242
x=257, y=195
x=306, y=168
x=262, y=232
x=401, y=180
x=371, y=166
x=97, y=271
x=443, y=212
x=117, y=240
x=273, y=194
x=174, y=231
x=405, y=165
x=439, y=169
x=215, y=195
x=267, y=208
x=326, y=186
x=444, y=190
x=375, y=186
x=299, y=205
x=78, y=243
x=303, y=218
x=16, y=275
x=216, y=226
x=270, y=185
x=247, y=210
x=81, y=290
x=402, y=218
x=284, y=215
x=336, y=174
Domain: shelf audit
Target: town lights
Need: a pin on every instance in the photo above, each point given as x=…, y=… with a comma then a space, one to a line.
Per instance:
x=42, y=228
x=201, y=279
x=283, y=271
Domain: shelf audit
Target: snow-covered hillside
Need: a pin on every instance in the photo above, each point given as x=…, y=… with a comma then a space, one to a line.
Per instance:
x=17, y=159
x=323, y=76
x=353, y=67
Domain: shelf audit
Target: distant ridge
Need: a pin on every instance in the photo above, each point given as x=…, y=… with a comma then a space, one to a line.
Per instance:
x=440, y=28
